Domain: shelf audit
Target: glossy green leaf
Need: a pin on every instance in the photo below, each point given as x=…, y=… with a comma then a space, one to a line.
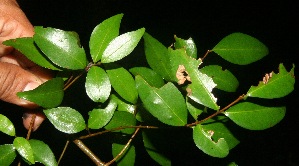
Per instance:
x=97, y=84
x=24, y=149
x=149, y=75
x=122, y=46
x=166, y=103
x=48, y=95
x=194, y=111
x=122, y=119
x=224, y=79
x=28, y=48
x=6, y=126
x=128, y=157
x=42, y=153
x=123, y=83
x=123, y=105
x=255, y=117
x=98, y=118
x=204, y=141
x=157, y=57
x=277, y=86
x=241, y=49
x=200, y=87
x=219, y=131
x=188, y=45
x=102, y=35
x=61, y=47
x=154, y=152
x=66, y=119
x=8, y=154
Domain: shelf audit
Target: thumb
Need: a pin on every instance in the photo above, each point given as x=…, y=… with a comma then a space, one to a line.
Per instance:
x=13, y=79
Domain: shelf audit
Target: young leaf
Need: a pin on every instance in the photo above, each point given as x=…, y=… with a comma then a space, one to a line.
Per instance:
x=66, y=119
x=98, y=118
x=6, y=126
x=220, y=131
x=224, y=79
x=241, y=49
x=167, y=103
x=123, y=83
x=188, y=45
x=97, y=84
x=47, y=95
x=122, y=46
x=203, y=140
x=128, y=157
x=149, y=75
x=200, y=87
x=27, y=47
x=157, y=57
x=61, y=47
x=154, y=152
x=255, y=117
x=8, y=154
x=278, y=85
x=24, y=149
x=121, y=119
x=42, y=153
x=102, y=35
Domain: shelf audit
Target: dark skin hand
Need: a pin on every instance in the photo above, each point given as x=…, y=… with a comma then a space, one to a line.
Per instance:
x=17, y=73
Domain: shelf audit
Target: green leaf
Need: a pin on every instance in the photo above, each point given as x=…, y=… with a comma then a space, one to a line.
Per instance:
x=149, y=76
x=219, y=131
x=279, y=85
x=6, y=126
x=167, y=103
x=61, y=47
x=66, y=119
x=224, y=79
x=102, y=35
x=122, y=119
x=48, y=95
x=24, y=149
x=255, y=117
x=42, y=153
x=123, y=105
x=97, y=84
x=157, y=57
x=154, y=152
x=194, y=111
x=98, y=118
x=200, y=87
x=122, y=46
x=27, y=47
x=122, y=82
x=203, y=140
x=8, y=154
x=188, y=45
x=128, y=157
x=241, y=49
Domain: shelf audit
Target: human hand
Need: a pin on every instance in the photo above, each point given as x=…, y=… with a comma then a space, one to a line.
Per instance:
x=17, y=73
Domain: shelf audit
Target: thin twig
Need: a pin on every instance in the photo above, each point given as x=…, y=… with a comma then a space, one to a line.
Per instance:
x=206, y=54
x=216, y=113
x=88, y=152
x=124, y=149
x=63, y=151
x=31, y=126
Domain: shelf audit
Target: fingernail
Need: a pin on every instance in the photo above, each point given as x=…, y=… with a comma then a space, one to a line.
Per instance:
x=31, y=86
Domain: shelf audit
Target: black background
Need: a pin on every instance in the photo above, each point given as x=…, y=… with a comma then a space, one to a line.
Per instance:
x=207, y=22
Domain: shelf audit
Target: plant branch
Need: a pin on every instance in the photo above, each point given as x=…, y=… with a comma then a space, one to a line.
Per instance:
x=124, y=149
x=63, y=151
x=88, y=152
x=208, y=51
x=216, y=113
x=31, y=126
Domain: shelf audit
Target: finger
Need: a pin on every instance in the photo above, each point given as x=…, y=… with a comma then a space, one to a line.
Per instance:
x=27, y=119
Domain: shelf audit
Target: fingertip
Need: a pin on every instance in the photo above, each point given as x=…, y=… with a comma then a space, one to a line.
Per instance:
x=27, y=119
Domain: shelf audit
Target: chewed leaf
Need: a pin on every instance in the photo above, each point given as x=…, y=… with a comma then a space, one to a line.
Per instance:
x=274, y=85
x=203, y=140
x=239, y=48
x=255, y=117
x=188, y=45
